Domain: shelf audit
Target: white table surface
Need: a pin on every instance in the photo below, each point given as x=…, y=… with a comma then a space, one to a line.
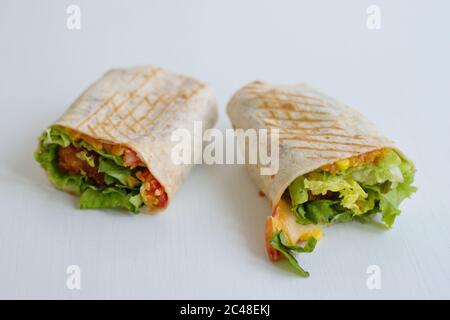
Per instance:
x=209, y=243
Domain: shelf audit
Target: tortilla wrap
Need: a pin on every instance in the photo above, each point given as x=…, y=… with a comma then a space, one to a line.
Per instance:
x=334, y=165
x=315, y=130
x=139, y=108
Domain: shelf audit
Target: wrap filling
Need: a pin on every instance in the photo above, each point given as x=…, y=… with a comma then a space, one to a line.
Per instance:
x=363, y=188
x=104, y=175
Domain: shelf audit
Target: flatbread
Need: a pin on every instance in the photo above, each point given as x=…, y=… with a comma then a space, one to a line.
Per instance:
x=140, y=107
x=315, y=130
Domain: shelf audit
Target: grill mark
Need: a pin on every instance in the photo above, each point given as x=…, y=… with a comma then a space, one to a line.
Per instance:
x=114, y=127
x=138, y=73
x=265, y=107
x=92, y=130
x=303, y=119
x=271, y=113
x=104, y=130
x=304, y=128
x=130, y=114
x=135, y=123
x=323, y=149
x=283, y=101
x=131, y=94
x=321, y=157
x=328, y=142
x=130, y=127
x=99, y=107
x=152, y=107
x=302, y=96
x=106, y=124
x=331, y=134
x=186, y=97
x=167, y=104
x=135, y=76
x=163, y=108
x=122, y=119
x=251, y=89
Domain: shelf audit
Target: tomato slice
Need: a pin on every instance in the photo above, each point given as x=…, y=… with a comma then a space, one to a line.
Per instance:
x=154, y=191
x=131, y=159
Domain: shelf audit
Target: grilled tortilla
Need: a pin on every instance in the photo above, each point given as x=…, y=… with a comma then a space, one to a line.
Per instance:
x=335, y=165
x=113, y=145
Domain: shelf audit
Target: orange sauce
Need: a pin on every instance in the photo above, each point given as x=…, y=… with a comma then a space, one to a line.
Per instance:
x=155, y=194
x=362, y=159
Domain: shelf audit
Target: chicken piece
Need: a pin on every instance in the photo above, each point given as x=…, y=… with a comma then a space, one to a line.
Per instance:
x=70, y=163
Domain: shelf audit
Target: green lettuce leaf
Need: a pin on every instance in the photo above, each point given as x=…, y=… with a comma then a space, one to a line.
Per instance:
x=388, y=168
x=93, y=198
x=90, y=159
x=390, y=201
x=117, y=159
x=297, y=192
x=280, y=243
x=115, y=171
x=349, y=190
x=307, y=248
x=55, y=135
x=362, y=192
x=117, y=195
x=47, y=159
x=322, y=212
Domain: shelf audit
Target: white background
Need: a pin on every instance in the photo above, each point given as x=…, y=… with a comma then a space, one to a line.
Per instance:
x=209, y=243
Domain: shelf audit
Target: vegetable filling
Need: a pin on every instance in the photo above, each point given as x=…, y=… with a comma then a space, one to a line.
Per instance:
x=350, y=190
x=357, y=188
x=105, y=175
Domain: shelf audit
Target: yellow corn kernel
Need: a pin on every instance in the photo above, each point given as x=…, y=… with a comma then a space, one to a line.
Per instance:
x=132, y=181
x=343, y=164
x=117, y=150
x=316, y=233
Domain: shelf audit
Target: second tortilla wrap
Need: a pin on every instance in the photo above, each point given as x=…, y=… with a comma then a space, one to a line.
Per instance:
x=334, y=164
x=315, y=130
